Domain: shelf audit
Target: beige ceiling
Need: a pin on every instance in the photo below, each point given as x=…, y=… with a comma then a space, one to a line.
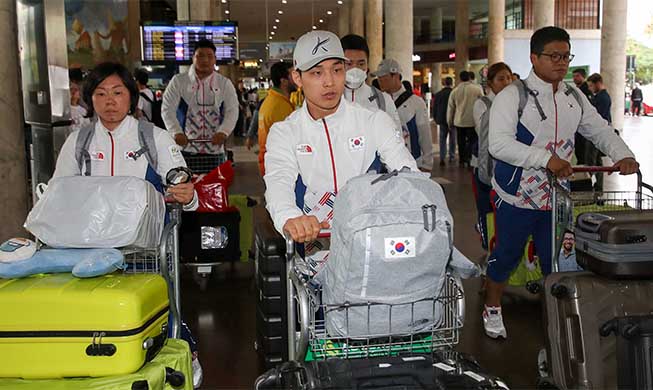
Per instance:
x=299, y=15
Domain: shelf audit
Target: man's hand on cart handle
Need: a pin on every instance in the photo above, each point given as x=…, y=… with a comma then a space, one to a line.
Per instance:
x=559, y=167
x=182, y=193
x=181, y=139
x=305, y=228
x=626, y=166
x=218, y=139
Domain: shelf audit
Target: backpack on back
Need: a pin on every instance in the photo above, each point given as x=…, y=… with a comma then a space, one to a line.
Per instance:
x=391, y=244
x=485, y=161
x=156, y=118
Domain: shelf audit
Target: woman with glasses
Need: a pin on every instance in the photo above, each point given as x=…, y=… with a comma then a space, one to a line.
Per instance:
x=200, y=108
x=113, y=145
x=529, y=140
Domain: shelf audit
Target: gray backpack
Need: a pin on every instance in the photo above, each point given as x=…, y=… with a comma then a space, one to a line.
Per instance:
x=145, y=138
x=485, y=161
x=378, y=96
x=391, y=244
x=525, y=91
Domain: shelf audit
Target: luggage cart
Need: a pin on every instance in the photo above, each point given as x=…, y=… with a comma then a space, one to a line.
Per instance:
x=163, y=260
x=200, y=164
x=303, y=297
x=567, y=205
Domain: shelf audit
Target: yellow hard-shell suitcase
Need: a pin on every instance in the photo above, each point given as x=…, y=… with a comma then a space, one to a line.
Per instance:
x=56, y=326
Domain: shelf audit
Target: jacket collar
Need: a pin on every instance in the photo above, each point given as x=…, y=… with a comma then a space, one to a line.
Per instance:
x=335, y=117
x=124, y=126
x=536, y=83
x=192, y=74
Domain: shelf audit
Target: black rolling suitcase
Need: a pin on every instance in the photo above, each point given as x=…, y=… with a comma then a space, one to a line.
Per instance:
x=442, y=370
x=616, y=244
x=634, y=350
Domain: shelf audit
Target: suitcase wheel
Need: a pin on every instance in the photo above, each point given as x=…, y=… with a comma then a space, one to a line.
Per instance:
x=175, y=378
x=140, y=385
x=559, y=291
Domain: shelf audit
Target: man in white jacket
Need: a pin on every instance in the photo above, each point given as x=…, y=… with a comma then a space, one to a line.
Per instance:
x=529, y=143
x=412, y=112
x=356, y=88
x=319, y=147
x=200, y=108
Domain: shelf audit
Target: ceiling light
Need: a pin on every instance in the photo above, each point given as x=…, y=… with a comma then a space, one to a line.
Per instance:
x=284, y=1
x=276, y=20
x=321, y=20
x=280, y=12
x=270, y=37
x=314, y=27
x=224, y=1
x=274, y=27
x=260, y=60
x=226, y=11
x=272, y=33
x=339, y=2
x=329, y=12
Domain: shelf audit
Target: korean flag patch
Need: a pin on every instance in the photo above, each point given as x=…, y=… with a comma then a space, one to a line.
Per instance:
x=399, y=247
x=357, y=143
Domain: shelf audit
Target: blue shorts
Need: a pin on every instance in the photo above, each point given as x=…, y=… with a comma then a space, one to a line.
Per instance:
x=514, y=225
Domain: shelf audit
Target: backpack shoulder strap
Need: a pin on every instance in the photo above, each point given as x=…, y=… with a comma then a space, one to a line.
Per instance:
x=572, y=91
x=378, y=96
x=147, y=98
x=82, y=155
x=524, y=91
x=487, y=101
x=403, y=97
x=146, y=140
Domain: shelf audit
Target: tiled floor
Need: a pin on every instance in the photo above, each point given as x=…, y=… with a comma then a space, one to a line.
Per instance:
x=223, y=317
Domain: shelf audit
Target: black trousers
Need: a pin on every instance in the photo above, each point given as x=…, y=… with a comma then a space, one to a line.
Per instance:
x=467, y=138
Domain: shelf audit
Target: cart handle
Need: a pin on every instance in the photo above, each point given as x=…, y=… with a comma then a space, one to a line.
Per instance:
x=580, y=169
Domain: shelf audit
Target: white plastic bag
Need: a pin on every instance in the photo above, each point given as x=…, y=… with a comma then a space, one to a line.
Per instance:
x=98, y=212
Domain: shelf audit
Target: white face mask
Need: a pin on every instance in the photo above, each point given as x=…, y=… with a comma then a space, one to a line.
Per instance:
x=355, y=77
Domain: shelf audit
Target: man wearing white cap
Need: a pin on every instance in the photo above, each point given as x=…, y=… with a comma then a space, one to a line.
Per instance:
x=319, y=147
x=412, y=112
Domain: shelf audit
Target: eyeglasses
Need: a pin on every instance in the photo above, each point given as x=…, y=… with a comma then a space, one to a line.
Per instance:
x=557, y=57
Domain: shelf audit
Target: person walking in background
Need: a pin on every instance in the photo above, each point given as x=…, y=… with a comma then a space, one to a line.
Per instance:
x=460, y=113
x=636, y=99
x=581, y=144
x=603, y=103
x=440, y=104
x=276, y=107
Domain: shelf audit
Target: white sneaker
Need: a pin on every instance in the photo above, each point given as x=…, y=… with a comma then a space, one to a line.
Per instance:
x=198, y=376
x=493, y=322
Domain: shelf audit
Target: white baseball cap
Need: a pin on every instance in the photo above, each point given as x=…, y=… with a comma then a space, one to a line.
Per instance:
x=315, y=47
x=387, y=66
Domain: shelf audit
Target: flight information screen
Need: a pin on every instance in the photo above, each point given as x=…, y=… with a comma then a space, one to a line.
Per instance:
x=174, y=43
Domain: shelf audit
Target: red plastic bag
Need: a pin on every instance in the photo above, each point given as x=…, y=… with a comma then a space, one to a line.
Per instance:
x=212, y=188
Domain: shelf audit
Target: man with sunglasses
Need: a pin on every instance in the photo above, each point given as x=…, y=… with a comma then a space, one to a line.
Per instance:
x=200, y=107
x=529, y=141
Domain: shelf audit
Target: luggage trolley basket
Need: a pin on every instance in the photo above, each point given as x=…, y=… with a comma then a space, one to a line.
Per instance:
x=201, y=162
x=567, y=205
x=312, y=341
x=162, y=260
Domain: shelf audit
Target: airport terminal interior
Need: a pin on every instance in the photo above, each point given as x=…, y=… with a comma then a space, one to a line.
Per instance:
x=153, y=150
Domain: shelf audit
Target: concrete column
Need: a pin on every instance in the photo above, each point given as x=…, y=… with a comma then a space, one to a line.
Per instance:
x=436, y=73
x=613, y=55
x=357, y=21
x=200, y=9
x=543, y=13
x=399, y=34
x=462, y=35
x=496, y=26
x=183, y=9
x=436, y=25
x=13, y=166
x=343, y=20
x=133, y=20
x=374, y=28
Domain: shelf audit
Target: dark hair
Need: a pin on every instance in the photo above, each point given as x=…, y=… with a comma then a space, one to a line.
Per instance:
x=580, y=71
x=141, y=76
x=203, y=44
x=448, y=81
x=517, y=75
x=99, y=74
x=279, y=71
x=494, y=69
x=546, y=35
x=567, y=231
x=472, y=76
x=464, y=75
x=355, y=42
x=75, y=75
x=375, y=84
x=595, y=78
